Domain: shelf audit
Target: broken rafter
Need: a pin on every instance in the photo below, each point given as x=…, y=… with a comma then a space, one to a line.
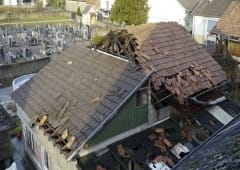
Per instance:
x=70, y=142
x=119, y=43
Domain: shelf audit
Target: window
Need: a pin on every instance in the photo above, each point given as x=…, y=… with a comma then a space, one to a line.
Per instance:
x=142, y=97
x=210, y=25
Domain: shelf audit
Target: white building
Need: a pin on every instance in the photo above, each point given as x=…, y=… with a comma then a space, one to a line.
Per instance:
x=22, y=2
x=205, y=17
x=166, y=10
x=10, y=2
x=106, y=4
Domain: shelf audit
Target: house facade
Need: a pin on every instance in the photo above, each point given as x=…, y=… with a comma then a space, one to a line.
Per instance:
x=89, y=15
x=106, y=4
x=21, y=2
x=205, y=17
x=227, y=29
x=72, y=5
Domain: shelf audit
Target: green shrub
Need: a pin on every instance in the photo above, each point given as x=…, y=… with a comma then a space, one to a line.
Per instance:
x=79, y=13
x=97, y=39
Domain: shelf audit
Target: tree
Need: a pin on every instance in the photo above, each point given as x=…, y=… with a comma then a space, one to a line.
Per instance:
x=79, y=13
x=38, y=5
x=130, y=11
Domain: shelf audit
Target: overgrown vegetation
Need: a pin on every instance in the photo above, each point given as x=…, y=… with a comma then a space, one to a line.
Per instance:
x=56, y=3
x=230, y=66
x=130, y=11
x=79, y=13
x=38, y=5
x=97, y=39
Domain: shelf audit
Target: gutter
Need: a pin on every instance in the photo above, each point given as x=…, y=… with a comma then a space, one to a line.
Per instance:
x=119, y=58
x=114, y=112
x=208, y=103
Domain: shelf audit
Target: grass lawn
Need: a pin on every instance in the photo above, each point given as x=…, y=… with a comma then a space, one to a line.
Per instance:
x=35, y=17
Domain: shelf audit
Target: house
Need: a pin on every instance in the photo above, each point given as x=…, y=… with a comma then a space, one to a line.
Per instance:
x=162, y=11
x=205, y=17
x=21, y=2
x=94, y=94
x=227, y=29
x=72, y=5
x=6, y=125
x=106, y=4
x=89, y=15
x=85, y=100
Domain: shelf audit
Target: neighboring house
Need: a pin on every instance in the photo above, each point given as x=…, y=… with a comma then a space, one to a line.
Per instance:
x=162, y=11
x=87, y=100
x=6, y=125
x=106, y=4
x=89, y=15
x=205, y=17
x=172, y=10
x=18, y=2
x=72, y=5
x=228, y=29
x=9, y=2
x=22, y=2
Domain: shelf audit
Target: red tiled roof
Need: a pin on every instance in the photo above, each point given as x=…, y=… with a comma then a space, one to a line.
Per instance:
x=229, y=24
x=178, y=61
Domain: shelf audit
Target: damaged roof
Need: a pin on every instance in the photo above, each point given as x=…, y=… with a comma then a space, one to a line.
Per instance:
x=189, y=5
x=211, y=8
x=229, y=24
x=78, y=91
x=179, y=62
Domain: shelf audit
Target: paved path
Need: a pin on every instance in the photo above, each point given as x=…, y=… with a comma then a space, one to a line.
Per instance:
x=5, y=94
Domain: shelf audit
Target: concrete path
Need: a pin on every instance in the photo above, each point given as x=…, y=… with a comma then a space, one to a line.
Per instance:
x=5, y=94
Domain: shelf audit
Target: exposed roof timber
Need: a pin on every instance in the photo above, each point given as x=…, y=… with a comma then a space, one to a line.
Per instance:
x=210, y=89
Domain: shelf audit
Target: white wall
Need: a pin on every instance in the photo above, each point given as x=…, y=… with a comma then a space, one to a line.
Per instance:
x=86, y=18
x=10, y=2
x=160, y=10
x=200, y=26
x=103, y=4
x=166, y=10
x=56, y=160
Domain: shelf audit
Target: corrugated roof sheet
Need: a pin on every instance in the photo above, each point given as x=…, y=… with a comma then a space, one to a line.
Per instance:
x=213, y=8
x=79, y=89
x=178, y=61
x=229, y=24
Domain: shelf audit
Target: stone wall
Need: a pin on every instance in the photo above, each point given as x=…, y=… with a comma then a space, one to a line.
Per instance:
x=9, y=72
